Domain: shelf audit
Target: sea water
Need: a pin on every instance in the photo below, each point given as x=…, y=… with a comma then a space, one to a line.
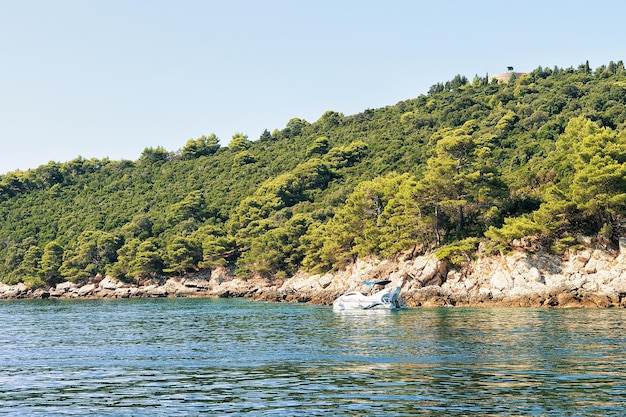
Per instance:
x=190, y=357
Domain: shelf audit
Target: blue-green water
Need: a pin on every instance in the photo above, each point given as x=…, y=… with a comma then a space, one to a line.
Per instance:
x=186, y=357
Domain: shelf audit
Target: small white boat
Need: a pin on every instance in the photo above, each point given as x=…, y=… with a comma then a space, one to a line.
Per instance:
x=386, y=298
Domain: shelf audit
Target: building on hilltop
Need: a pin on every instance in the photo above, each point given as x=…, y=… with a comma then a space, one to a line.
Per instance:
x=505, y=76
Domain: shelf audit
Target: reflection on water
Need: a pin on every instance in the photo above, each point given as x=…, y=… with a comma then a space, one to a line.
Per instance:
x=233, y=357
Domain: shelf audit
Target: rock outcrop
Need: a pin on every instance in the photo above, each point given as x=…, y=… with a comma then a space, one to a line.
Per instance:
x=584, y=278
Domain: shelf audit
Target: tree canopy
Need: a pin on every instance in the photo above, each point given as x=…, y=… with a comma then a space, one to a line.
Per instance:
x=541, y=156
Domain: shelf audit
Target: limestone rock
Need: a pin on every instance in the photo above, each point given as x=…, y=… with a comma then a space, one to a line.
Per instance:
x=19, y=290
x=586, y=278
x=86, y=290
x=110, y=283
x=501, y=281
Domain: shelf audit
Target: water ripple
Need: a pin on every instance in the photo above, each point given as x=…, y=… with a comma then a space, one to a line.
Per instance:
x=232, y=357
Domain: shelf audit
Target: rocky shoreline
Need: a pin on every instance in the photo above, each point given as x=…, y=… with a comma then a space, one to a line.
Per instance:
x=589, y=278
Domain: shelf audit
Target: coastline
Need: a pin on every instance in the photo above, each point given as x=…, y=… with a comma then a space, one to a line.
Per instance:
x=588, y=278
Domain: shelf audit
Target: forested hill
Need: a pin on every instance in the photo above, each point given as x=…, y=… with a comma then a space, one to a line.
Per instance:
x=540, y=159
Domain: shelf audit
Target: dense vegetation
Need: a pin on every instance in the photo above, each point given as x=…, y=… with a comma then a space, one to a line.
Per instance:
x=541, y=159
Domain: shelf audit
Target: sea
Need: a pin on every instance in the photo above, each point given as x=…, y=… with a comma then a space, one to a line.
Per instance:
x=234, y=357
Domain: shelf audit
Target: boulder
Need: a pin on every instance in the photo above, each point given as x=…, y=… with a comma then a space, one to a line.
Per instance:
x=567, y=299
x=154, y=291
x=64, y=287
x=501, y=281
x=110, y=283
x=122, y=293
x=201, y=284
x=86, y=290
x=423, y=269
x=41, y=293
x=19, y=290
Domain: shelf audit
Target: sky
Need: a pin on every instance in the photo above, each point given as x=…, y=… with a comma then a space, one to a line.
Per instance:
x=109, y=78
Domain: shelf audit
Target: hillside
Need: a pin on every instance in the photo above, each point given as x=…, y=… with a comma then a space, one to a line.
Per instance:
x=535, y=163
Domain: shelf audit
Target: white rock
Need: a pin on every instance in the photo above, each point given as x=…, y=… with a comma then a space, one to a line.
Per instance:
x=501, y=281
x=86, y=289
x=534, y=275
x=619, y=284
x=65, y=286
x=110, y=283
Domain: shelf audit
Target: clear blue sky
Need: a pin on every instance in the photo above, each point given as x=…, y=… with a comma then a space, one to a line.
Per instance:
x=108, y=78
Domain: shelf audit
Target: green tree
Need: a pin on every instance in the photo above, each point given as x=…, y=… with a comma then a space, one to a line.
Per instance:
x=404, y=222
x=277, y=252
x=217, y=246
x=125, y=255
x=244, y=157
x=266, y=135
x=514, y=228
x=238, y=143
x=51, y=261
x=203, y=146
x=253, y=216
x=193, y=206
x=507, y=122
x=147, y=260
x=355, y=230
x=182, y=254
x=319, y=147
x=139, y=227
x=155, y=155
x=346, y=156
x=137, y=259
x=29, y=268
x=294, y=127
x=94, y=251
x=599, y=189
x=459, y=181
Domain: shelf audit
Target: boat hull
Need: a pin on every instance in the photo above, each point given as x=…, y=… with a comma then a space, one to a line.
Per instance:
x=385, y=299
